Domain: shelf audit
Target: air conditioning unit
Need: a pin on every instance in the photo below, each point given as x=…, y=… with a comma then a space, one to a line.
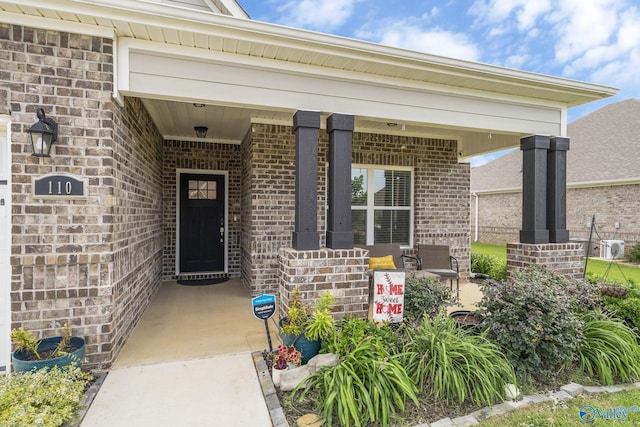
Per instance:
x=612, y=249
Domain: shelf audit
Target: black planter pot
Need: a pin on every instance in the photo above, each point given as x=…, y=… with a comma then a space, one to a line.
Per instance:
x=77, y=344
x=467, y=319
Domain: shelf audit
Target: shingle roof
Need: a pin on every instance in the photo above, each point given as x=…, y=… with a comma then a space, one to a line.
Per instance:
x=605, y=146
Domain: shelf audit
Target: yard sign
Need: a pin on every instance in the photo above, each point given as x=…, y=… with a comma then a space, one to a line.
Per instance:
x=388, y=295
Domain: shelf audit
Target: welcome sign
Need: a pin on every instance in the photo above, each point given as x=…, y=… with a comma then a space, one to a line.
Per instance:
x=388, y=295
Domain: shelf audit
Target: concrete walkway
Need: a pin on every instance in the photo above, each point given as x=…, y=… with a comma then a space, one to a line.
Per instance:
x=188, y=363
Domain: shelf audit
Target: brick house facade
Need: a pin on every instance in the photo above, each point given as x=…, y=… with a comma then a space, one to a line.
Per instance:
x=96, y=261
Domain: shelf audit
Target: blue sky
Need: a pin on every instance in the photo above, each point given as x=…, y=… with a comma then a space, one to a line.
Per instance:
x=590, y=40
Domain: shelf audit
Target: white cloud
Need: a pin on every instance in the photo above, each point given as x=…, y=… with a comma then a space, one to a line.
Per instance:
x=595, y=40
x=526, y=12
x=323, y=15
x=408, y=35
x=608, y=47
x=583, y=25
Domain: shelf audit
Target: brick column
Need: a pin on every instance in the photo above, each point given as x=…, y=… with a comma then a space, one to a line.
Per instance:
x=339, y=230
x=557, y=190
x=534, y=189
x=305, y=126
x=342, y=272
x=562, y=258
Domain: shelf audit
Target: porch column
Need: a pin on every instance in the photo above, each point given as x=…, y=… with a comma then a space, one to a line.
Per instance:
x=557, y=190
x=534, y=189
x=305, y=126
x=339, y=230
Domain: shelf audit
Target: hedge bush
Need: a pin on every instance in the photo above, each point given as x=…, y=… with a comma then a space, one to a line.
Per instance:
x=48, y=398
x=534, y=318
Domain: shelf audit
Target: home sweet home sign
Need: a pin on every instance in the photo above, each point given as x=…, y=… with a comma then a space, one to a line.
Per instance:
x=388, y=295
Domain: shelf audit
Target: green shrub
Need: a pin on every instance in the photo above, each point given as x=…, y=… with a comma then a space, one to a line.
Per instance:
x=454, y=364
x=351, y=330
x=367, y=385
x=490, y=265
x=482, y=263
x=609, y=350
x=533, y=318
x=425, y=296
x=634, y=253
x=499, y=270
x=41, y=398
x=626, y=309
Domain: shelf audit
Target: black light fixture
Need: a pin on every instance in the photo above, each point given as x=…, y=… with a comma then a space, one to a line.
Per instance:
x=43, y=134
x=201, y=131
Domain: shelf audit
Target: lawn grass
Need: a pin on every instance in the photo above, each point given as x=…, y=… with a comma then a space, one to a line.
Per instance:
x=495, y=250
x=615, y=272
x=567, y=413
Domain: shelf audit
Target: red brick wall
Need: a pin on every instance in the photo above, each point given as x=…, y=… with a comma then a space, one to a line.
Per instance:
x=91, y=262
x=137, y=184
x=441, y=194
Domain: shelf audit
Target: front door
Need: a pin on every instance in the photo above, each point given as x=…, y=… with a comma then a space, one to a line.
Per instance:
x=202, y=223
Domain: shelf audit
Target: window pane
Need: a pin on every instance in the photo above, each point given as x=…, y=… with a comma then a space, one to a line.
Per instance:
x=391, y=226
x=359, y=187
x=359, y=225
x=212, y=192
x=392, y=188
x=199, y=190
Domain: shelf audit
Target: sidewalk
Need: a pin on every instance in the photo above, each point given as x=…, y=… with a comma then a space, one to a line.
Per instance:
x=216, y=391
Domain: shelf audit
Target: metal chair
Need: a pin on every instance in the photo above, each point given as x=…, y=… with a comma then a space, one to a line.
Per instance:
x=436, y=259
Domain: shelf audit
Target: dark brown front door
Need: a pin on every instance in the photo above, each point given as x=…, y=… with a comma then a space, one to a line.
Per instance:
x=202, y=233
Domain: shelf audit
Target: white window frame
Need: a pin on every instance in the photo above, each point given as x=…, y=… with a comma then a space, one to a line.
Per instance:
x=371, y=208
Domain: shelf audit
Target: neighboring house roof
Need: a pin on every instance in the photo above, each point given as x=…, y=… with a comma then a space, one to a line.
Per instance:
x=604, y=149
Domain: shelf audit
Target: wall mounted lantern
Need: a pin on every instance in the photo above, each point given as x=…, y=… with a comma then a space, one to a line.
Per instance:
x=43, y=134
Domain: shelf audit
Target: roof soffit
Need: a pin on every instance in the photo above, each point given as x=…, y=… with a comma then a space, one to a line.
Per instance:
x=173, y=25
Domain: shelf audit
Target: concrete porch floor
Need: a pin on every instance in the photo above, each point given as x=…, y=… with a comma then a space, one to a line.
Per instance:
x=188, y=361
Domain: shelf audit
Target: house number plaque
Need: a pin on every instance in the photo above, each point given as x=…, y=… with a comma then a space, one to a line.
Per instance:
x=59, y=186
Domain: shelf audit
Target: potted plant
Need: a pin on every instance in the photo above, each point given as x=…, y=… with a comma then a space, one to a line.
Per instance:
x=304, y=327
x=286, y=357
x=32, y=353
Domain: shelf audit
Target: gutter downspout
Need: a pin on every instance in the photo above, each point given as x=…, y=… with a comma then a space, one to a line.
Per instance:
x=475, y=237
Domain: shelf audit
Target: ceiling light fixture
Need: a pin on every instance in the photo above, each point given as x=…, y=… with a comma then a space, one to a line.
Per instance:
x=201, y=131
x=392, y=124
x=198, y=105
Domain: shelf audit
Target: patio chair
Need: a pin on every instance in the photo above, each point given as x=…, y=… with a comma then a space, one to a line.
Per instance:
x=436, y=259
x=393, y=250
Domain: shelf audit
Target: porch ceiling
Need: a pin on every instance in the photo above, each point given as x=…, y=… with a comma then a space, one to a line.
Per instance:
x=420, y=91
x=176, y=121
